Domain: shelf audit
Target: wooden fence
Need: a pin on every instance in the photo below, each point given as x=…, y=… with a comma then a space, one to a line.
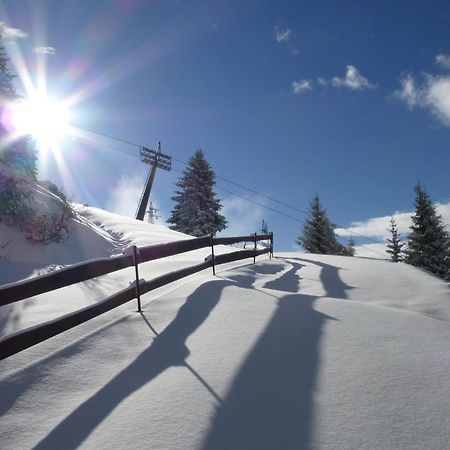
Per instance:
x=77, y=273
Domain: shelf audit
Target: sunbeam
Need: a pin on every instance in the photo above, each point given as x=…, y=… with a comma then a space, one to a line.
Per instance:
x=43, y=118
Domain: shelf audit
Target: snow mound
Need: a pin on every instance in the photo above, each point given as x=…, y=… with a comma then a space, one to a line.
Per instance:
x=94, y=233
x=380, y=283
x=298, y=352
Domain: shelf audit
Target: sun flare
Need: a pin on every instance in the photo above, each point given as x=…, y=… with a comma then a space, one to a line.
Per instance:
x=42, y=117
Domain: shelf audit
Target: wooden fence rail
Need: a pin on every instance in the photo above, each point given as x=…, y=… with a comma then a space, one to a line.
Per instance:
x=14, y=292
x=63, y=277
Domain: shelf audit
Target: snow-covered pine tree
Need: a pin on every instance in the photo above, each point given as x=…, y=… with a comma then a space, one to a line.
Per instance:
x=17, y=157
x=447, y=277
x=394, y=244
x=196, y=210
x=19, y=154
x=18, y=170
x=349, y=249
x=318, y=232
x=428, y=241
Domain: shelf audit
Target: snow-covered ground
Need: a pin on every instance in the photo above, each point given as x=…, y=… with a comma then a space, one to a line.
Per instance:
x=298, y=352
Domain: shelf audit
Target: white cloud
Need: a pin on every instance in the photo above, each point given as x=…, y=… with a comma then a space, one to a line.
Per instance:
x=41, y=50
x=352, y=80
x=433, y=95
x=285, y=36
x=243, y=218
x=371, y=251
x=124, y=197
x=301, y=86
x=282, y=35
x=10, y=33
x=443, y=59
x=322, y=81
x=444, y=210
x=437, y=97
x=408, y=92
x=377, y=227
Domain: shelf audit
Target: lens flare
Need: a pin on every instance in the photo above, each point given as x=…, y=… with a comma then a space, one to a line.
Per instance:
x=43, y=118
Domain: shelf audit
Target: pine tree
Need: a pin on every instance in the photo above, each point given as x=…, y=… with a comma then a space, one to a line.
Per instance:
x=318, y=232
x=17, y=158
x=349, y=249
x=429, y=240
x=18, y=172
x=447, y=277
x=394, y=245
x=7, y=90
x=196, y=210
x=19, y=155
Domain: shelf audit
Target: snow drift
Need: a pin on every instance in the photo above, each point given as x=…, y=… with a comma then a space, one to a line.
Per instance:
x=302, y=351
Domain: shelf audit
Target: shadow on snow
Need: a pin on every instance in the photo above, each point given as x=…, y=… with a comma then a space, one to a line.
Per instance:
x=330, y=279
x=288, y=282
x=168, y=349
x=270, y=402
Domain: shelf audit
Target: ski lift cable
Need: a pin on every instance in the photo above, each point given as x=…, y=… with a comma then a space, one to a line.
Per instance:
x=125, y=141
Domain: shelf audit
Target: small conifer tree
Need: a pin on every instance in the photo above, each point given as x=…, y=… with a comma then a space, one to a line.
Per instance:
x=318, y=232
x=394, y=244
x=196, y=210
x=447, y=277
x=18, y=155
x=18, y=170
x=349, y=249
x=428, y=241
x=17, y=158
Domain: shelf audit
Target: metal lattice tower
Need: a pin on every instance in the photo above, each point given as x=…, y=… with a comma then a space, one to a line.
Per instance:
x=152, y=214
x=155, y=159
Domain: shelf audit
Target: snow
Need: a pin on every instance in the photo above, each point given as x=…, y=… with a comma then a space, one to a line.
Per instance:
x=298, y=352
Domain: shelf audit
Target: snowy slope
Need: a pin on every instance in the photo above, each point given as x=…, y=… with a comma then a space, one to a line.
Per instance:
x=94, y=234
x=302, y=351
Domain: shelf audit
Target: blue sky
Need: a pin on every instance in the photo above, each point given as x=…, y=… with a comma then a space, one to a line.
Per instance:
x=347, y=99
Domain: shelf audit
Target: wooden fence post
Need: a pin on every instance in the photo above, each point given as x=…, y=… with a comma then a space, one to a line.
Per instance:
x=14, y=292
x=138, y=294
x=212, y=255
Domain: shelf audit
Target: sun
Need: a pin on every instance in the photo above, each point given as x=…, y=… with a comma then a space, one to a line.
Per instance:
x=42, y=117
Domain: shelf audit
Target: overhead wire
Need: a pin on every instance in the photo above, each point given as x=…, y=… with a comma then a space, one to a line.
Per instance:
x=114, y=138
x=302, y=221
x=280, y=202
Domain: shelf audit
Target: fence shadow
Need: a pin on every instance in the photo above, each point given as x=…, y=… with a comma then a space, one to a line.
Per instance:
x=266, y=269
x=168, y=349
x=270, y=403
x=288, y=282
x=17, y=271
x=330, y=278
x=8, y=315
x=13, y=387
